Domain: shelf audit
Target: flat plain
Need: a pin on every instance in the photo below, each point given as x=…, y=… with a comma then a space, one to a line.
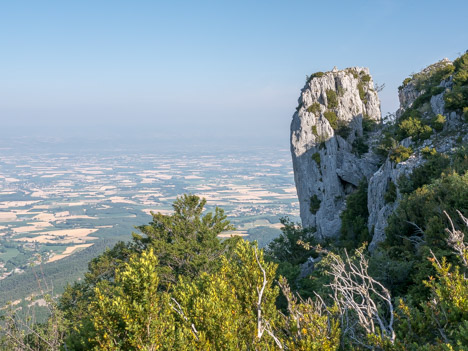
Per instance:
x=61, y=209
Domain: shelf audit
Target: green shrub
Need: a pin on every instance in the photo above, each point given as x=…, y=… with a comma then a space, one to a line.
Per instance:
x=436, y=165
x=460, y=76
x=314, y=204
x=426, y=97
x=332, y=99
x=366, y=78
x=428, y=152
x=405, y=83
x=391, y=194
x=331, y=118
x=410, y=112
x=362, y=93
x=412, y=127
x=314, y=75
x=343, y=129
x=420, y=215
x=360, y=146
x=400, y=154
x=354, y=229
x=433, y=75
x=314, y=130
x=368, y=124
x=457, y=98
x=438, y=122
x=316, y=158
x=314, y=108
x=465, y=113
x=341, y=91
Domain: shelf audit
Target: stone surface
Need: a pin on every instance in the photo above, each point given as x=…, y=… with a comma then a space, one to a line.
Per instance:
x=326, y=166
x=313, y=139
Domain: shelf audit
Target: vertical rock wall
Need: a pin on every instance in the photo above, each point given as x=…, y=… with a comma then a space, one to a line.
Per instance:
x=327, y=122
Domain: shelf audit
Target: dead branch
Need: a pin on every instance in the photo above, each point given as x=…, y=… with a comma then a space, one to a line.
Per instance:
x=359, y=297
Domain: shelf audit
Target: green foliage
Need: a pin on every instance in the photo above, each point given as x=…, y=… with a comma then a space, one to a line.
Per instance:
x=310, y=326
x=405, y=83
x=460, y=76
x=223, y=306
x=391, y=193
x=438, y=122
x=400, y=154
x=332, y=99
x=314, y=75
x=130, y=314
x=457, y=98
x=19, y=332
x=314, y=130
x=292, y=249
x=287, y=247
x=432, y=75
x=441, y=322
x=186, y=241
x=368, y=124
x=426, y=97
x=316, y=158
x=433, y=168
x=331, y=118
x=360, y=146
x=366, y=78
x=428, y=152
x=314, y=108
x=418, y=224
x=343, y=129
x=362, y=93
x=354, y=218
x=413, y=127
x=314, y=204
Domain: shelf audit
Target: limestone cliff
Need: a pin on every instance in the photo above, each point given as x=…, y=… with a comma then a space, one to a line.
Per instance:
x=334, y=148
x=326, y=125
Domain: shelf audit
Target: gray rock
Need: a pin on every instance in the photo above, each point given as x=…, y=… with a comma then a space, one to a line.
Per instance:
x=313, y=138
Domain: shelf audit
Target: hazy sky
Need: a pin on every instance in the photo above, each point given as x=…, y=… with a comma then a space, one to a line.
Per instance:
x=201, y=69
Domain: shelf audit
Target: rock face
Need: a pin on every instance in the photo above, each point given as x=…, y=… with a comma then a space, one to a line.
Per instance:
x=332, y=152
x=328, y=121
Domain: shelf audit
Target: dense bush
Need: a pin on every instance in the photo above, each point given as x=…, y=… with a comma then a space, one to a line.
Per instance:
x=314, y=204
x=314, y=130
x=332, y=99
x=362, y=93
x=457, y=98
x=366, y=78
x=418, y=225
x=391, y=193
x=314, y=108
x=413, y=127
x=360, y=146
x=368, y=124
x=331, y=118
x=343, y=130
x=438, y=122
x=400, y=154
x=314, y=75
x=436, y=164
x=354, y=229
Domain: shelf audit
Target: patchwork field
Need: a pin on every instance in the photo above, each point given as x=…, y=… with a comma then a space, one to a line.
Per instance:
x=64, y=206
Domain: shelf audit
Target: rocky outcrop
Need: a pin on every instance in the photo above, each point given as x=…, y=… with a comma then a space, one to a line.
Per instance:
x=327, y=138
x=328, y=121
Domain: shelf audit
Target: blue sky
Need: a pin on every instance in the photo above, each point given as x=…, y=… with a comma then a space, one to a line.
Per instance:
x=201, y=69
